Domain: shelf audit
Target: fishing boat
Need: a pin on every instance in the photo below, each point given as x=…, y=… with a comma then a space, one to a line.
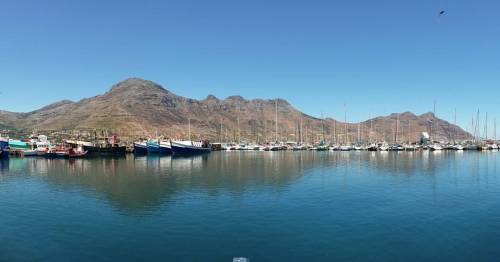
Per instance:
x=30, y=152
x=140, y=148
x=71, y=153
x=65, y=151
x=36, y=145
x=105, y=146
x=18, y=144
x=158, y=147
x=4, y=148
x=183, y=147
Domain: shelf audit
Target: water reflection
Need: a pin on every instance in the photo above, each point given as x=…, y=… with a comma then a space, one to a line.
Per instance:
x=4, y=165
x=138, y=185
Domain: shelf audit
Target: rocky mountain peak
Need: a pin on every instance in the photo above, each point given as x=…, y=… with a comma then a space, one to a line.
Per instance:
x=136, y=84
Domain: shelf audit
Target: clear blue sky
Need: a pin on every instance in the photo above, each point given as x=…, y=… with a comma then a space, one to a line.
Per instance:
x=377, y=57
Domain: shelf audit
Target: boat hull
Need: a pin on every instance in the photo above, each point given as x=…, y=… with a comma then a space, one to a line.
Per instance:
x=154, y=148
x=140, y=149
x=106, y=151
x=67, y=154
x=181, y=149
x=4, y=149
x=29, y=153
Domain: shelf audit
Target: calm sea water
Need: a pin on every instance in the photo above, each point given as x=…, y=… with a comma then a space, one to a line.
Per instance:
x=266, y=206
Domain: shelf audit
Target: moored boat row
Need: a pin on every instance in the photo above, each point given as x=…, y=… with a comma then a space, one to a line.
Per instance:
x=42, y=147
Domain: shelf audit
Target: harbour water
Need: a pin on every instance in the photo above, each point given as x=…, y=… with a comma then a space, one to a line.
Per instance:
x=266, y=206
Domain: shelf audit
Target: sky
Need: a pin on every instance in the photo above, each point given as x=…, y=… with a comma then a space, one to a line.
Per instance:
x=370, y=57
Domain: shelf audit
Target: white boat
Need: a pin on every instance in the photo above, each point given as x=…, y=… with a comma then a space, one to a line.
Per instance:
x=493, y=146
x=228, y=147
x=242, y=147
x=299, y=148
x=334, y=148
x=410, y=147
x=30, y=152
x=458, y=147
x=383, y=147
x=275, y=148
x=435, y=147
x=345, y=148
x=471, y=147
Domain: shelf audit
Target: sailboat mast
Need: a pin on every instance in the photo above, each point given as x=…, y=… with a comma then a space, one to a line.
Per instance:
x=371, y=130
x=477, y=126
x=486, y=127
x=495, y=130
x=472, y=129
x=335, y=131
x=189, y=128
x=455, y=127
x=359, y=132
x=322, y=127
x=397, y=127
x=239, y=134
x=220, y=133
x=409, y=131
x=345, y=123
x=301, y=141
x=276, y=118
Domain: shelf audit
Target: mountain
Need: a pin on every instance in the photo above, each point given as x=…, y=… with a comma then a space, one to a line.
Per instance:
x=137, y=107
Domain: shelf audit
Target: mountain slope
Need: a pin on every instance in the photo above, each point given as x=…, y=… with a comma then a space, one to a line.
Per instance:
x=137, y=107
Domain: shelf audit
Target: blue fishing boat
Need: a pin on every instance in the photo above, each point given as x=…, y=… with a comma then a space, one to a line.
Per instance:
x=4, y=148
x=189, y=147
x=156, y=147
x=140, y=148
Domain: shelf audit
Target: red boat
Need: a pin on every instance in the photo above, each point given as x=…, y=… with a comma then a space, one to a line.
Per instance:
x=66, y=152
x=71, y=153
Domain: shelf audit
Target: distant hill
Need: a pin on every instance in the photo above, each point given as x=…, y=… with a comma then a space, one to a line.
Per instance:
x=141, y=108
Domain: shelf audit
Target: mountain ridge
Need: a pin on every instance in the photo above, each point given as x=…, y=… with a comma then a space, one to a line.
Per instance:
x=138, y=107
